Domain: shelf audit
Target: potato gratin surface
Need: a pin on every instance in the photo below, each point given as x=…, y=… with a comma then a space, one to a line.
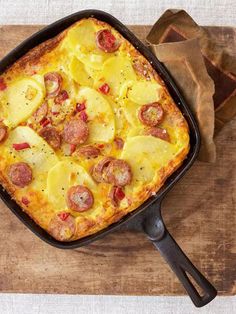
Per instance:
x=88, y=130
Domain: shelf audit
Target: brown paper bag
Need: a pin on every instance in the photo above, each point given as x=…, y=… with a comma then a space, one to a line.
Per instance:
x=185, y=63
x=177, y=26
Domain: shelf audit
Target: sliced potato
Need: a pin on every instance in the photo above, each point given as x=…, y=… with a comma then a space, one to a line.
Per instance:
x=81, y=40
x=144, y=92
x=40, y=156
x=79, y=73
x=150, y=154
x=22, y=99
x=120, y=120
x=124, y=89
x=100, y=115
x=93, y=60
x=94, y=73
x=61, y=177
x=82, y=36
x=135, y=131
x=131, y=113
x=114, y=76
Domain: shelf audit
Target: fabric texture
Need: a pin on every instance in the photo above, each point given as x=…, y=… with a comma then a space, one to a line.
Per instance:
x=213, y=12
x=73, y=304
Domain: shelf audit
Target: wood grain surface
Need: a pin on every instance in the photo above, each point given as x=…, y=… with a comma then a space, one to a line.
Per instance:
x=200, y=212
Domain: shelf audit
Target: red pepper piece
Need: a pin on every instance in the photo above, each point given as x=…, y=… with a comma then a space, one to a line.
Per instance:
x=119, y=142
x=72, y=148
x=25, y=201
x=21, y=146
x=62, y=96
x=104, y=89
x=83, y=116
x=63, y=216
x=119, y=193
x=80, y=107
x=69, y=149
x=44, y=122
x=2, y=84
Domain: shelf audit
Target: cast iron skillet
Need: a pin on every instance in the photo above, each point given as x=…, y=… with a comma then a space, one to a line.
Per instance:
x=147, y=217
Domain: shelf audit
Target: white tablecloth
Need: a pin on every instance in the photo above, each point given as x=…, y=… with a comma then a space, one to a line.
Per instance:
x=68, y=304
x=211, y=12
x=205, y=12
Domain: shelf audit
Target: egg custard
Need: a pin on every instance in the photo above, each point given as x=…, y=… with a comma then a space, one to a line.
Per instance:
x=88, y=130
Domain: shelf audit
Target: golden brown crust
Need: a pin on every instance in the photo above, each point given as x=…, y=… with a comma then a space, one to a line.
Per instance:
x=28, y=62
x=86, y=225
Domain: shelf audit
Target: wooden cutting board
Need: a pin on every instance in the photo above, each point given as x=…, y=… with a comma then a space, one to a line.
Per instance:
x=200, y=212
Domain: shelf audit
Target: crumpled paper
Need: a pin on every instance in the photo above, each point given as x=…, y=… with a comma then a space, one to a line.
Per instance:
x=203, y=70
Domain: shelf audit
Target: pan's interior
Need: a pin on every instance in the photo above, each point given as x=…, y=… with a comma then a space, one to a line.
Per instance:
x=51, y=31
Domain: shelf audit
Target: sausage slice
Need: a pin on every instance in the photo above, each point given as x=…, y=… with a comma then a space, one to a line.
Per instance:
x=89, y=151
x=76, y=132
x=151, y=114
x=53, y=83
x=41, y=112
x=98, y=170
x=79, y=198
x=116, y=195
x=141, y=68
x=118, y=173
x=51, y=135
x=159, y=132
x=106, y=41
x=20, y=174
x=62, y=226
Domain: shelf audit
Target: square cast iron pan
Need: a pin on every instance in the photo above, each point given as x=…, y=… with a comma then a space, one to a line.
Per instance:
x=53, y=30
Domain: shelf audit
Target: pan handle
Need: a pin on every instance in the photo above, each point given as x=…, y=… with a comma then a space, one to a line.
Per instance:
x=187, y=273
